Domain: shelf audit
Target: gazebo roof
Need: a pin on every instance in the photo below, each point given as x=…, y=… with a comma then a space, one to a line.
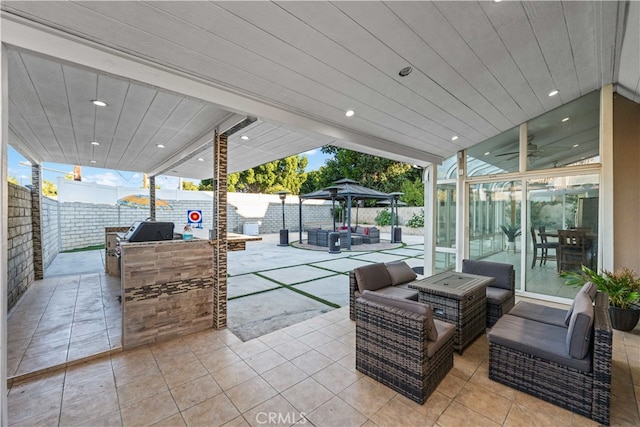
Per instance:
x=346, y=188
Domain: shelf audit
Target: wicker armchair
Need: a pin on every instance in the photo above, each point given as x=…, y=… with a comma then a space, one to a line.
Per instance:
x=501, y=295
x=584, y=390
x=392, y=346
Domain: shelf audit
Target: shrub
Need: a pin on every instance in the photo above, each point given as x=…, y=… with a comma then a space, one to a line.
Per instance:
x=416, y=220
x=383, y=217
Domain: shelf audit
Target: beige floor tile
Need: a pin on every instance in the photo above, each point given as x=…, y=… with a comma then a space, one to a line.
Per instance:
x=36, y=363
x=204, y=344
x=82, y=411
x=398, y=413
x=349, y=339
x=237, y=422
x=24, y=406
x=183, y=372
x=219, y=359
x=173, y=421
x=250, y=393
x=298, y=330
x=265, y=361
x=169, y=348
x=459, y=415
x=336, y=377
x=349, y=361
x=47, y=348
x=335, y=331
x=537, y=410
x=481, y=378
x=292, y=349
x=195, y=391
x=335, y=350
x=451, y=385
x=307, y=395
x=80, y=389
x=276, y=338
x=315, y=339
x=274, y=412
x=316, y=323
x=112, y=419
x=149, y=410
x=336, y=412
x=233, y=375
x=434, y=406
x=485, y=402
x=311, y=362
x=48, y=336
x=50, y=418
x=88, y=369
x=141, y=389
x=464, y=367
x=170, y=361
x=126, y=374
x=367, y=395
x=284, y=376
x=49, y=381
x=212, y=412
x=249, y=348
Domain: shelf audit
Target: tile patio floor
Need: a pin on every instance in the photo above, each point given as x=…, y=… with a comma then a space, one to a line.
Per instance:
x=303, y=373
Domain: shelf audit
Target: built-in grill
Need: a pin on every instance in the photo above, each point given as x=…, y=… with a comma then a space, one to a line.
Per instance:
x=149, y=231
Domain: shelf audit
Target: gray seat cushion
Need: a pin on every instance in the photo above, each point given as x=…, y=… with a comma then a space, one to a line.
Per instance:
x=445, y=332
x=590, y=289
x=398, y=292
x=408, y=305
x=503, y=273
x=372, y=277
x=539, y=339
x=400, y=272
x=580, y=326
x=497, y=296
x=541, y=313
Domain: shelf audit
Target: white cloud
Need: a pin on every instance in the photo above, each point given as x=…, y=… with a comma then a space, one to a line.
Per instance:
x=107, y=178
x=311, y=152
x=136, y=175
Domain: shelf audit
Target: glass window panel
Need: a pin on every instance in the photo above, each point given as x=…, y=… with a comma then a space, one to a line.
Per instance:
x=495, y=155
x=567, y=135
x=446, y=215
x=448, y=169
x=560, y=203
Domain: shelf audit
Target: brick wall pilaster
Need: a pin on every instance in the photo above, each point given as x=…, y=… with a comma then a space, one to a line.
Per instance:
x=36, y=220
x=220, y=228
x=152, y=198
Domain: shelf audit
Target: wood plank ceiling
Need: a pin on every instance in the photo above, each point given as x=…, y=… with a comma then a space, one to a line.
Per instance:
x=479, y=68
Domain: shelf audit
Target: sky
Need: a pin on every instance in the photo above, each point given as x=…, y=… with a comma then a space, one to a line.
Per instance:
x=19, y=168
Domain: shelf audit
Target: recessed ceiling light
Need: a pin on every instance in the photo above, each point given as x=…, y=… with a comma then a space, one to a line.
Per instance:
x=497, y=1
x=405, y=71
x=453, y=138
x=95, y=143
x=93, y=161
x=553, y=93
x=487, y=153
x=576, y=145
x=244, y=137
x=159, y=145
x=200, y=159
x=99, y=103
x=566, y=119
x=349, y=113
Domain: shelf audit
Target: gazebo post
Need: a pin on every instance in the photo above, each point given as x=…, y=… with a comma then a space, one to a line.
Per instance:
x=349, y=222
x=300, y=218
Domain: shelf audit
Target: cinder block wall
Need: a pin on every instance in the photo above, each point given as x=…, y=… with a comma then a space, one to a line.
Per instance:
x=50, y=227
x=20, y=271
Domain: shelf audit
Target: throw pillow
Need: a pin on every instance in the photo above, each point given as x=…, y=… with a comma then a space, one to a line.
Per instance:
x=400, y=272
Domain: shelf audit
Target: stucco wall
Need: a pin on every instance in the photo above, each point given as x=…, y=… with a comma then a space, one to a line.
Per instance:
x=626, y=182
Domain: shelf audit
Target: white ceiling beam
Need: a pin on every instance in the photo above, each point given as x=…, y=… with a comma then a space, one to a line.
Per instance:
x=35, y=37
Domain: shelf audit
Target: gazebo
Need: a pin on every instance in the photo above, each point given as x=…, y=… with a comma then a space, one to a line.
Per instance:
x=347, y=190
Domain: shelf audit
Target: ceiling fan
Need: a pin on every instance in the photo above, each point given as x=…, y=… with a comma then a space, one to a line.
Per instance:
x=536, y=152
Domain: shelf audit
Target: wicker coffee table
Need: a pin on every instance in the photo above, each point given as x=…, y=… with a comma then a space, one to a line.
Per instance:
x=458, y=298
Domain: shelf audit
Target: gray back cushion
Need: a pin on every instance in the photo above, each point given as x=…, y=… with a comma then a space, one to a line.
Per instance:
x=503, y=273
x=588, y=288
x=400, y=272
x=580, y=327
x=372, y=277
x=408, y=305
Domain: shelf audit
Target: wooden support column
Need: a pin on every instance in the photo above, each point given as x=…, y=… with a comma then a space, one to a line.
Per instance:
x=152, y=198
x=36, y=220
x=220, y=230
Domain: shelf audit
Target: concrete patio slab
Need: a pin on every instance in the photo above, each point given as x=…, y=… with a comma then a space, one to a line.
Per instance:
x=81, y=262
x=248, y=284
x=334, y=289
x=341, y=265
x=256, y=315
x=297, y=274
x=408, y=251
x=380, y=257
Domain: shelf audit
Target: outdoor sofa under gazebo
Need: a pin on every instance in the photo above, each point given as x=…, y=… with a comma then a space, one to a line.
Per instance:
x=347, y=190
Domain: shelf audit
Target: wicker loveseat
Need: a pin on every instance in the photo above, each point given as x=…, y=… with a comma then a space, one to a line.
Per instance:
x=391, y=278
x=533, y=350
x=369, y=234
x=501, y=295
x=401, y=345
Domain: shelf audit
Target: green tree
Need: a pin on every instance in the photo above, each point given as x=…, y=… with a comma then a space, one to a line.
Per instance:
x=49, y=189
x=189, y=186
x=281, y=175
x=206, y=185
x=413, y=192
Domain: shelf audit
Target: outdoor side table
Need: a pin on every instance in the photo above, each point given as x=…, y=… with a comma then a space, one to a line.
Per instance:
x=458, y=298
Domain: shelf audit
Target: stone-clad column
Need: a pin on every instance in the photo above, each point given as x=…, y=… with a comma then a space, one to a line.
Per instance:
x=220, y=230
x=152, y=198
x=36, y=220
